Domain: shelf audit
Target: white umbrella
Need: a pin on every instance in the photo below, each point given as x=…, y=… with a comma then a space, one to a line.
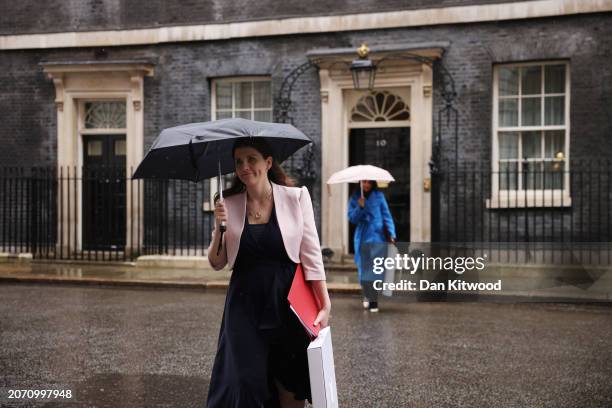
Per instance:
x=355, y=174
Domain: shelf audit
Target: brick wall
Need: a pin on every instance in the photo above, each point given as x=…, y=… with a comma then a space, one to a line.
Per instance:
x=84, y=15
x=180, y=90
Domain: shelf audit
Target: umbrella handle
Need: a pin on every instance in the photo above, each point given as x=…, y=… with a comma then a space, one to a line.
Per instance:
x=222, y=229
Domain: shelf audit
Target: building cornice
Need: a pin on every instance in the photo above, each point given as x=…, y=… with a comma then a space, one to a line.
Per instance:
x=308, y=25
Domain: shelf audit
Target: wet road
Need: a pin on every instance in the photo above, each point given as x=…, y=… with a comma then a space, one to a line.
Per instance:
x=119, y=347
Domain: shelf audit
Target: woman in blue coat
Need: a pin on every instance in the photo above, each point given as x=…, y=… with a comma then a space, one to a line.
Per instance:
x=375, y=228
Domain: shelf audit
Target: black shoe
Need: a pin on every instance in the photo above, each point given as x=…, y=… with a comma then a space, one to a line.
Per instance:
x=373, y=307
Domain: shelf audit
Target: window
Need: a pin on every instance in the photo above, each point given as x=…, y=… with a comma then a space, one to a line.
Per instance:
x=249, y=98
x=380, y=106
x=105, y=115
x=531, y=128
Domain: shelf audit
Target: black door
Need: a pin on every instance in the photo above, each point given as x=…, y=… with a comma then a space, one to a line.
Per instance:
x=388, y=148
x=104, y=206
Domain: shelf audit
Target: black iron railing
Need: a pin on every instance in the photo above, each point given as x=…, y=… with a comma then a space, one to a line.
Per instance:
x=97, y=213
x=540, y=212
x=544, y=213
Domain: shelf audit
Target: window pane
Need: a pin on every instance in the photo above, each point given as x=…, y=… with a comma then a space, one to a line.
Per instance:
x=224, y=114
x=554, y=78
x=532, y=176
x=553, y=176
x=508, y=81
x=243, y=95
x=263, y=116
x=554, y=143
x=508, y=145
x=263, y=94
x=105, y=115
x=508, y=176
x=531, y=80
x=236, y=99
x=532, y=145
x=508, y=112
x=94, y=148
x=224, y=96
x=554, y=112
x=119, y=147
x=531, y=112
x=243, y=114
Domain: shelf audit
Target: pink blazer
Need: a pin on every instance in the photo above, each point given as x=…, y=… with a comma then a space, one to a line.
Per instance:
x=295, y=220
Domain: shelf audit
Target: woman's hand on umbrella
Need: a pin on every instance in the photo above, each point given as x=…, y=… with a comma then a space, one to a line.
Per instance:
x=220, y=213
x=361, y=202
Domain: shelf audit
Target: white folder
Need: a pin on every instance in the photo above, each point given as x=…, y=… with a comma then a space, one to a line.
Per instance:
x=322, y=371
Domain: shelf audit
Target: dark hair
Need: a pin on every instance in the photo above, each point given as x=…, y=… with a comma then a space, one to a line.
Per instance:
x=374, y=184
x=357, y=191
x=275, y=174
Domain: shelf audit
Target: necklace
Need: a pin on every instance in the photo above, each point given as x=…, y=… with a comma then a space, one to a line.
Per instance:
x=257, y=214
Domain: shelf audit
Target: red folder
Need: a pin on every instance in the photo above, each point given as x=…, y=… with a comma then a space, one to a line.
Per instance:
x=303, y=303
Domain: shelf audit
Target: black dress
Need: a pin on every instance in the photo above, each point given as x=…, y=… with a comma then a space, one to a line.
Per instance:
x=260, y=339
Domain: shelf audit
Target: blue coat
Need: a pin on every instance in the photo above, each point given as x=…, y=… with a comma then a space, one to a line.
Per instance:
x=370, y=221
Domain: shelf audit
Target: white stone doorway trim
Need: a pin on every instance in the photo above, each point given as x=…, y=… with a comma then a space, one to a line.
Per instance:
x=76, y=83
x=336, y=95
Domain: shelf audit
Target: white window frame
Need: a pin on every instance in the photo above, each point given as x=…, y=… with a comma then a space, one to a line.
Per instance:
x=208, y=205
x=518, y=198
x=234, y=80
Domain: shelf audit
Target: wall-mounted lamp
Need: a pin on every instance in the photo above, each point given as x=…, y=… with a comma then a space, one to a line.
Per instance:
x=363, y=70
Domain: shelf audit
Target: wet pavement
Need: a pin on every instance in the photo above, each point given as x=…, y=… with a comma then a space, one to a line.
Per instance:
x=342, y=280
x=143, y=347
x=520, y=282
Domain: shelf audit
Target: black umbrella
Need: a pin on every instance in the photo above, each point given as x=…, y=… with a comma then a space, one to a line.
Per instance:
x=198, y=151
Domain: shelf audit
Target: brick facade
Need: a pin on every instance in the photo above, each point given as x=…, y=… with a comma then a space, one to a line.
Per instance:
x=58, y=16
x=179, y=92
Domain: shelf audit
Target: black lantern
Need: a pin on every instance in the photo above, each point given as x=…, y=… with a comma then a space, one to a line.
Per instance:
x=363, y=70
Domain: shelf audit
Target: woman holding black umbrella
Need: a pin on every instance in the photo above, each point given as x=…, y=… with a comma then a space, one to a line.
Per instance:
x=261, y=358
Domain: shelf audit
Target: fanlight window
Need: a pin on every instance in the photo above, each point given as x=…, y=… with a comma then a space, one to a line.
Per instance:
x=105, y=115
x=380, y=106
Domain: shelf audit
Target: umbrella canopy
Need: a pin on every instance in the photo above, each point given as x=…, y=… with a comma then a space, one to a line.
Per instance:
x=354, y=174
x=198, y=151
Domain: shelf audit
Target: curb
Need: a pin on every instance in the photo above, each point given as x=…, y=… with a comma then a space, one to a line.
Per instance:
x=344, y=288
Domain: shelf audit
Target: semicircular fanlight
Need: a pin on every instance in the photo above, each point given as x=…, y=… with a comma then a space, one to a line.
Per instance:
x=105, y=115
x=380, y=106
